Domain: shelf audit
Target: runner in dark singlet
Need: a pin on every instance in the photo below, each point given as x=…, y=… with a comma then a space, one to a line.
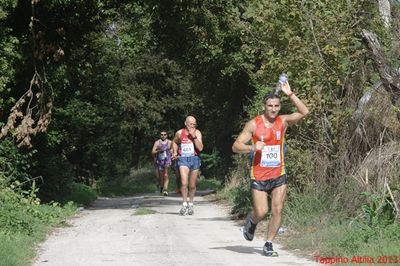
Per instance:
x=162, y=155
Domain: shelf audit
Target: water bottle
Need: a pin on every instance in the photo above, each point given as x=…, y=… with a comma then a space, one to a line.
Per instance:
x=281, y=230
x=283, y=78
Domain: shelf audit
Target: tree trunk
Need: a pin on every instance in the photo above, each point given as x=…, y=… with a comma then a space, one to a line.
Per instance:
x=390, y=77
x=384, y=10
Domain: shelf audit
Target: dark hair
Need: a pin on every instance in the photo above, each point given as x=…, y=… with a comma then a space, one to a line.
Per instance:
x=270, y=95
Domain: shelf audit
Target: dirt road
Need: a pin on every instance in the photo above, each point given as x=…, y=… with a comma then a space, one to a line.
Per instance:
x=109, y=233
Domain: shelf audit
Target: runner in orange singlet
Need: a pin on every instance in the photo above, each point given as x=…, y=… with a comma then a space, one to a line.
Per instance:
x=267, y=150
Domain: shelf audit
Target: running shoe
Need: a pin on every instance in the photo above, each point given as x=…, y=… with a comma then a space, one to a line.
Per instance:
x=190, y=209
x=268, y=250
x=184, y=210
x=165, y=193
x=248, y=229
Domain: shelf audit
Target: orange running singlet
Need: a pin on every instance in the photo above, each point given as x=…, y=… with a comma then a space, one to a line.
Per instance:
x=268, y=163
x=187, y=147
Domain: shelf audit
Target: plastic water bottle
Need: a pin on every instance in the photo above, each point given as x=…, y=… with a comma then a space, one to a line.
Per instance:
x=281, y=230
x=283, y=78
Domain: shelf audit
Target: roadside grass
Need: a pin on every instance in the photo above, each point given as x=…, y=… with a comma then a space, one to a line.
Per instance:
x=316, y=225
x=238, y=197
x=235, y=191
x=24, y=223
x=345, y=239
x=205, y=184
x=144, y=211
x=139, y=181
x=11, y=247
x=17, y=247
x=81, y=194
x=320, y=228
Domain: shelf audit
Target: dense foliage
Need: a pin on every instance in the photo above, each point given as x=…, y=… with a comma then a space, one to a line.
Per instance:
x=112, y=74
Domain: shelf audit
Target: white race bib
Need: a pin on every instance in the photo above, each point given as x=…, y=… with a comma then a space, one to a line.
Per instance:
x=162, y=155
x=187, y=149
x=271, y=156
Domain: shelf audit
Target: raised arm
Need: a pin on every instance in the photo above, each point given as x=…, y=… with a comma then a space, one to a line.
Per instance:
x=302, y=109
x=198, y=140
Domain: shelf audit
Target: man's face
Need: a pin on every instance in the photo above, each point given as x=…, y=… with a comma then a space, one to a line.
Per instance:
x=163, y=135
x=191, y=123
x=272, y=107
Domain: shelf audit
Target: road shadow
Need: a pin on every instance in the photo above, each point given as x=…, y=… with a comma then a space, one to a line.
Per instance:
x=216, y=219
x=143, y=200
x=132, y=202
x=241, y=249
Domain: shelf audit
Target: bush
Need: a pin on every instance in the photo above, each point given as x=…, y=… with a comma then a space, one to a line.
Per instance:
x=318, y=224
x=81, y=194
x=203, y=184
x=142, y=180
x=23, y=216
x=24, y=222
x=241, y=198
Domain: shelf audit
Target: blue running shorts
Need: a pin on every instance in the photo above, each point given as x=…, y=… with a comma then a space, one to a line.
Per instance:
x=192, y=162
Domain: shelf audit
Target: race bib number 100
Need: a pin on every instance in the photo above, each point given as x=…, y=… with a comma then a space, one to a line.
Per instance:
x=187, y=149
x=271, y=156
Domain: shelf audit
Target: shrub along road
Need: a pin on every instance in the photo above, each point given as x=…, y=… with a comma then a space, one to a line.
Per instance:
x=112, y=233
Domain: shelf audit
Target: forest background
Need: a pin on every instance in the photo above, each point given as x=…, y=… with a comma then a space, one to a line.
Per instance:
x=86, y=86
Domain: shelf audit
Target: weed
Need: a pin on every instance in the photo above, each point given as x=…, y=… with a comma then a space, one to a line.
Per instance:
x=144, y=211
x=241, y=199
x=320, y=227
x=81, y=194
x=139, y=181
x=204, y=184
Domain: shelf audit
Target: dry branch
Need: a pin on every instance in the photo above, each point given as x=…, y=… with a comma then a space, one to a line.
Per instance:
x=390, y=78
x=31, y=113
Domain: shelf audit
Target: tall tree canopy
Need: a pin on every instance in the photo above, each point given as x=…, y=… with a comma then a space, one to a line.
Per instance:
x=114, y=73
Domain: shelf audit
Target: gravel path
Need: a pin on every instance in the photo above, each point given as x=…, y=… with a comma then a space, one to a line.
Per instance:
x=109, y=233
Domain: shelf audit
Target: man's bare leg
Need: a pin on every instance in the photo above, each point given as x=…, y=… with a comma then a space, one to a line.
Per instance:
x=260, y=205
x=184, y=172
x=192, y=184
x=166, y=178
x=260, y=209
x=158, y=179
x=278, y=198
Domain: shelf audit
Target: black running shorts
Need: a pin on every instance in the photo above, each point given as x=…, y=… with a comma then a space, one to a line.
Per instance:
x=269, y=185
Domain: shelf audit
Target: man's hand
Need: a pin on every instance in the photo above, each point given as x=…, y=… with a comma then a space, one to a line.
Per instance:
x=259, y=145
x=286, y=89
x=192, y=132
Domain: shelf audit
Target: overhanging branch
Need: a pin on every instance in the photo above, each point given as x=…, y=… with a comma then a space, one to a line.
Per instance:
x=390, y=78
